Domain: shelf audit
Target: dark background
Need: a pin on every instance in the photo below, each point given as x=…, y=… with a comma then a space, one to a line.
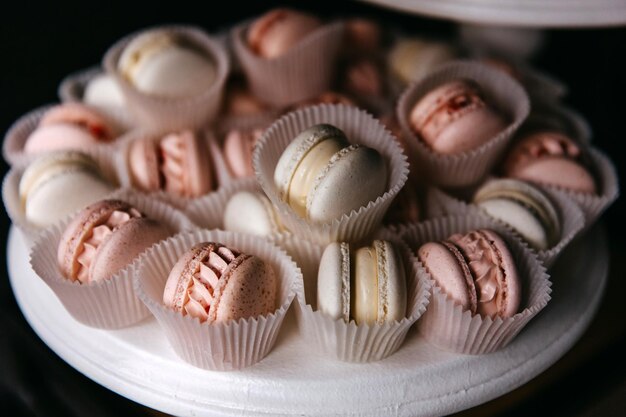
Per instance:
x=41, y=44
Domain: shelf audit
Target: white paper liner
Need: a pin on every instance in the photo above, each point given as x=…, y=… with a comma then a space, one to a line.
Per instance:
x=72, y=89
x=110, y=303
x=359, y=127
x=555, y=116
x=20, y=130
x=350, y=342
x=218, y=165
x=445, y=324
x=465, y=168
x=156, y=112
x=216, y=346
x=571, y=218
x=11, y=198
x=303, y=72
x=262, y=120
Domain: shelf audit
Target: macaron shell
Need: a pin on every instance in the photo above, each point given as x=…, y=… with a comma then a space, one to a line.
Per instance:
x=355, y=177
x=393, y=299
x=198, y=158
x=144, y=165
x=249, y=212
x=468, y=132
x=557, y=171
x=179, y=273
x=81, y=116
x=58, y=136
x=365, y=294
x=238, y=148
x=246, y=289
x=333, y=282
x=103, y=91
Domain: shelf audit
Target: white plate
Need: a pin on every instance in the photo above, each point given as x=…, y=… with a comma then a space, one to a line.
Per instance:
x=530, y=13
x=138, y=363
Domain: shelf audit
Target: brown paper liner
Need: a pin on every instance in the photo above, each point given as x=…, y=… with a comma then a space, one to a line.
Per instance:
x=348, y=341
x=216, y=346
x=571, y=218
x=106, y=304
x=305, y=71
x=359, y=127
x=11, y=198
x=466, y=168
x=158, y=113
x=445, y=324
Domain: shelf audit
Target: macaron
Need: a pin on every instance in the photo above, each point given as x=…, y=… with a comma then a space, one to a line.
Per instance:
x=363, y=36
x=239, y=100
x=104, y=238
x=525, y=208
x=322, y=176
x=367, y=284
x=58, y=184
x=178, y=163
x=103, y=91
x=406, y=207
x=550, y=158
x=363, y=77
x=217, y=284
x=251, y=212
x=411, y=59
x=69, y=126
x=238, y=148
x=327, y=97
x=164, y=64
x=477, y=271
x=455, y=118
x=277, y=31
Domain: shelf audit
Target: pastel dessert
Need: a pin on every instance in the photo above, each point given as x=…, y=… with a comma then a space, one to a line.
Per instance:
x=366, y=284
x=323, y=176
x=240, y=101
x=178, y=163
x=405, y=208
x=251, y=212
x=411, y=59
x=455, y=118
x=217, y=284
x=103, y=91
x=364, y=78
x=525, y=208
x=363, y=36
x=327, y=97
x=550, y=158
x=69, y=126
x=164, y=64
x=476, y=271
x=238, y=148
x=104, y=238
x=275, y=32
x=44, y=185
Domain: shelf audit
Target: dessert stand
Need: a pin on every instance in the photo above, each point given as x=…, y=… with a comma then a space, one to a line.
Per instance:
x=294, y=379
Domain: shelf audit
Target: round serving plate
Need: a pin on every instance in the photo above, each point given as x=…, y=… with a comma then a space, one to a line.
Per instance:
x=419, y=379
x=530, y=13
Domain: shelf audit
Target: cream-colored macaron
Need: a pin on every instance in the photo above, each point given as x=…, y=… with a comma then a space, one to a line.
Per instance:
x=251, y=212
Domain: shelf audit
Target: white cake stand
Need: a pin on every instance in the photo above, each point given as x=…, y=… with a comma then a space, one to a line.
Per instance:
x=419, y=379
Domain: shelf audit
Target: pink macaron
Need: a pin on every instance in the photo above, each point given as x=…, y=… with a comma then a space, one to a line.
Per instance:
x=550, y=158
x=477, y=271
x=455, y=118
x=238, y=148
x=216, y=284
x=104, y=238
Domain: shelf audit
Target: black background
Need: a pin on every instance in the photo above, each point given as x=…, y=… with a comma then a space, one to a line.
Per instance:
x=41, y=44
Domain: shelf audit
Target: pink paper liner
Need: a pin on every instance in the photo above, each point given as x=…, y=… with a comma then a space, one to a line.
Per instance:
x=216, y=346
x=305, y=71
x=350, y=342
x=571, y=217
x=468, y=167
x=72, y=88
x=106, y=304
x=219, y=169
x=359, y=127
x=20, y=130
x=158, y=113
x=445, y=324
x=11, y=198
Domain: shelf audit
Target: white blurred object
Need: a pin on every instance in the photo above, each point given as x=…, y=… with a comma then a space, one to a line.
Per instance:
x=512, y=43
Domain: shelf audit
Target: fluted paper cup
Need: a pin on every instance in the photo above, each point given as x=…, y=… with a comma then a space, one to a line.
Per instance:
x=554, y=116
x=466, y=168
x=303, y=72
x=216, y=346
x=110, y=303
x=156, y=112
x=359, y=127
x=445, y=324
x=348, y=341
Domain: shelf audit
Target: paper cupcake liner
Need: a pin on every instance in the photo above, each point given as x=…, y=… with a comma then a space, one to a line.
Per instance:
x=350, y=342
x=305, y=71
x=558, y=117
x=72, y=89
x=106, y=304
x=11, y=197
x=572, y=219
x=468, y=167
x=359, y=127
x=219, y=169
x=541, y=87
x=247, y=122
x=445, y=324
x=156, y=112
x=216, y=346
